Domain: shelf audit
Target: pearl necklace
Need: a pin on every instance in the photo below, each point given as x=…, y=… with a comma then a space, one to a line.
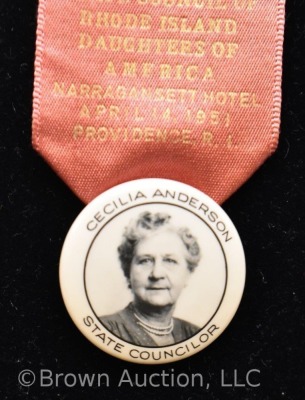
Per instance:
x=153, y=329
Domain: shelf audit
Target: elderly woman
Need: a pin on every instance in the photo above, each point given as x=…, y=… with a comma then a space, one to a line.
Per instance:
x=157, y=260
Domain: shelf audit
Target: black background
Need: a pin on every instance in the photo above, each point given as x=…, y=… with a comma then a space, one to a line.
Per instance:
x=37, y=209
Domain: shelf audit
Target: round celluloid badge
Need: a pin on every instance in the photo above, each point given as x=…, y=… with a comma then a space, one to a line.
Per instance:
x=152, y=271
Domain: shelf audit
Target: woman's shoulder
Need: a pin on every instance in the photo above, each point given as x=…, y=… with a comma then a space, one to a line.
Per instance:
x=186, y=328
x=123, y=325
x=113, y=322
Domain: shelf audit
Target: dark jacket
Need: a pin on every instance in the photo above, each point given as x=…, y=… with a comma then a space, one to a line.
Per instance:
x=124, y=325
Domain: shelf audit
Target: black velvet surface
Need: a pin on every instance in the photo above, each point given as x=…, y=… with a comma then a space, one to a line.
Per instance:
x=37, y=209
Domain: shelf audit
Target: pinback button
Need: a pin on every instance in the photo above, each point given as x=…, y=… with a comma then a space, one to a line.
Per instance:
x=152, y=271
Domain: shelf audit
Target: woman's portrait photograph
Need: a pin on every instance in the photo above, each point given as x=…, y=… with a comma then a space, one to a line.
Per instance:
x=156, y=284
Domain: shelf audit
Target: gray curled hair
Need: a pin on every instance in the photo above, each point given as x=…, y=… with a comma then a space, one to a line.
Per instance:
x=148, y=223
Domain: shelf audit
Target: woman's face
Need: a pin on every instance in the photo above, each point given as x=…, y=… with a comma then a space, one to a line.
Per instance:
x=159, y=269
